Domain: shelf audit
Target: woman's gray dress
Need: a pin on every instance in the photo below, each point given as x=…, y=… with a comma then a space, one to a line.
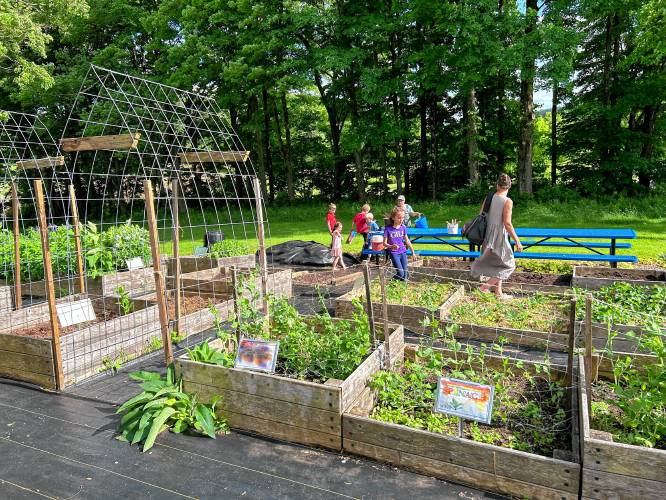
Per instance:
x=497, y=260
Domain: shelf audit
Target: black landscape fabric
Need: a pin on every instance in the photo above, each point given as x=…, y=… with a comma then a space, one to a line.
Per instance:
x=304, y=253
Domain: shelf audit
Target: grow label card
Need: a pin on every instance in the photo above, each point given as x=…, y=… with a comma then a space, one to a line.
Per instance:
x=200, y=251
x=465, y=399
x=73, y=313
x=135, y=263
x=260, y=355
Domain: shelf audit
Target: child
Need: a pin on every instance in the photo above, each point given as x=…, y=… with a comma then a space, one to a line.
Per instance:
x=330, y=218
x=396, y=241
x=336, y=246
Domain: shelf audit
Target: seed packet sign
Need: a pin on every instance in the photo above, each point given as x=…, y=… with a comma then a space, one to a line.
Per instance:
x=73, y=313
x=135, y=263
x=260, y=355
x=464, y=399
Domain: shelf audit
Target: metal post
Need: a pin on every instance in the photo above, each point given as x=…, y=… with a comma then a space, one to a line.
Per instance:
x=50, y=290
x=387, y=346
x=460, y=427
x=77, y=240
x=368, y=300
x=157, y=270
x=234, y=286
x=588, y=350
x=612, y=251
x=176, y=254
x=18, y=291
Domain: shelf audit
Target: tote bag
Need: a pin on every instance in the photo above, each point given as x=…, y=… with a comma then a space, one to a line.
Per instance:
x=475, y=230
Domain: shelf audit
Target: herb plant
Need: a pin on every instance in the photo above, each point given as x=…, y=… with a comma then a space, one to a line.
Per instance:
x=163, y=405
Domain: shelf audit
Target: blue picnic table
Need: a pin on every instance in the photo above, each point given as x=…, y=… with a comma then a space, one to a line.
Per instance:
x=534, y=237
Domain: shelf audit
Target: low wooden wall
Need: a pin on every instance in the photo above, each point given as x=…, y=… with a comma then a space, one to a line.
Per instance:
x=484, y=466
x=284, y=408
x=636, y=277
x=135, y=282
x=617, y=470
x=409, y=316
x=192, y=264
x=6, y=299
x=336, y=286
x=217, y=282
x=28, y=360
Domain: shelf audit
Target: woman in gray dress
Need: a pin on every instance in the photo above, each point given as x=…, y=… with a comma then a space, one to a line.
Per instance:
x=496, y=261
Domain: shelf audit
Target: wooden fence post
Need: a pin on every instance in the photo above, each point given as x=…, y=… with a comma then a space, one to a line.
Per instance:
x=368, y=299
x=176, y=254
x=77, y=240
x=588, y=351
x=50, y=291
x=234, y=286
x=387, y=346
x=157, y=270
x=262, y=244
x=572, y=339
x=18, y=291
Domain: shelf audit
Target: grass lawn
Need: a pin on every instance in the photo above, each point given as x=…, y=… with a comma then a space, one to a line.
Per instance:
x=307, y=222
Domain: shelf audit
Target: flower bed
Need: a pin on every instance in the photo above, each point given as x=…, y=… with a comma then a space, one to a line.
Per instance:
x=528, y=451
x=600, y=277
x=323, y=365
x=624, y=439
x=408, y=303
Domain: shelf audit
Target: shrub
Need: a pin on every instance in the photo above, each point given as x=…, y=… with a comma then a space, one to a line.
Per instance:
x=228, y=248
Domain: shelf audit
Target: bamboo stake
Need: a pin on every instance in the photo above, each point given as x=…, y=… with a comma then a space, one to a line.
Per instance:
x=570, y=349
x=16, y=209
x=77, y=239
x=234, y=286
x=588, y=351
x=387, y=346
x=176, y=253
x=50, y=291
x=159, y=277
x=262, y=246
x=368, y=299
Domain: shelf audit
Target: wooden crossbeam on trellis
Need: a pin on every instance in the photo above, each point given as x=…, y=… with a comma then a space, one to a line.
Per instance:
x=103, y=142
x=214, y=157
x=49, y=161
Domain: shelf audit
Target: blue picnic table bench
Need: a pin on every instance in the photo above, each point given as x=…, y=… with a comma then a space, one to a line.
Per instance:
x=531, y=238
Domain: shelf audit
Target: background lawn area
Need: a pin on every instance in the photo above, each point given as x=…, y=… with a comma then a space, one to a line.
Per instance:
x=307, y=222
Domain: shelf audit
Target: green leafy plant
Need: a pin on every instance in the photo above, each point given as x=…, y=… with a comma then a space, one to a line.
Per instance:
x=428, y=294
x=177, y=337
x=126, y=305
x=228, y=248
x=155, y=344
x=204, y=353
x=163, y=405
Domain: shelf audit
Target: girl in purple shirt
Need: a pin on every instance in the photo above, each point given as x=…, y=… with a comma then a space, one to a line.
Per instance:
x=397, y=241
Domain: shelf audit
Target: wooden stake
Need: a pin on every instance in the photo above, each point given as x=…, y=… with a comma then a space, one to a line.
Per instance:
x=572, y=336
x=234, y=286
x=176, y=253
x=387, y=346
x=588, y=350
x=262, y=245
x=16, y=210
x=77, y=239
x=50, y=290
x=157, y=268
x=368, y=299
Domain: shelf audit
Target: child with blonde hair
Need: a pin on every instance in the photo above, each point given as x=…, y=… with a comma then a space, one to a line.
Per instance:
x=336, y=246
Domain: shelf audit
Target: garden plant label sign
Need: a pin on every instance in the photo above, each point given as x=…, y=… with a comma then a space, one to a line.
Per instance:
x=73, y=313
x=465, y=399
x=200, y=251
x=260, y=355
x=135, y=263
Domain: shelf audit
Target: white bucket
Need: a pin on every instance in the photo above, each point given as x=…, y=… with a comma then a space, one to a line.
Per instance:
x=377, y=242
x=452, y=228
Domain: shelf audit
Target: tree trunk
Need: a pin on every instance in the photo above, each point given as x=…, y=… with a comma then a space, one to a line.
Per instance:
x=267, y=144
x=285, y=146
x=649, y=120
x=525, y=147
x=471, y=133
x=434, y=136
x=423, y=152
x=553, y=136
x=253, y=108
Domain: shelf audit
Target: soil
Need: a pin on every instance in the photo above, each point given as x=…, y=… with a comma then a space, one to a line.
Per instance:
x=43, y=330
x=441, y=262
x=326, y=277
x=190, y=304
x=626, y=274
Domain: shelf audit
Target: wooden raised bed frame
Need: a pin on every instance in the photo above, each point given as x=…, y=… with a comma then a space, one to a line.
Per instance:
x=191, y=263
x=595, y=283
x=484, y=466
x=409, y=316
x=284, y=408
x=616, y=470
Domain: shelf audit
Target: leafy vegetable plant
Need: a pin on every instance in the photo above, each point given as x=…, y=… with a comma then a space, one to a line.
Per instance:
x=163, y=405
x=430, y=295
x=126, y=305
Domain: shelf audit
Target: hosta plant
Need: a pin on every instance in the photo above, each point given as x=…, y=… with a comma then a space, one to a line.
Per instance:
x=163, y=405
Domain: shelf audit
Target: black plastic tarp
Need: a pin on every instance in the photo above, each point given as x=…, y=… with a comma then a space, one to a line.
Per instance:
x=304, y=253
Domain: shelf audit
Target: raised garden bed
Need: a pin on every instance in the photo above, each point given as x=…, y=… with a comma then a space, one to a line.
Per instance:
x=6, y=299
x=27, y=359
x=327, y=282
x=613, y=465
x=217, y=283
x=599, y=277
x=300, y=402
x=192, y=264
x=408, y=303
x=529, y=451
